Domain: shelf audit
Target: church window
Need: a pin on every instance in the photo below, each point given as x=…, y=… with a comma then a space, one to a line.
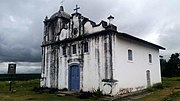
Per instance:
x=130, y=55
x=64, y=50
x=150, y=58
x=75, y=30
x=85, y=47
x=73, y=49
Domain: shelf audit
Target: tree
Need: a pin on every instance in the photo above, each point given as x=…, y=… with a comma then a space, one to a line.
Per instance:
x=171, y=68
x=163, y=64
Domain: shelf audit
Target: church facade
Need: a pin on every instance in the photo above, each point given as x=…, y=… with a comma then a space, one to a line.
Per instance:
x=79, y=54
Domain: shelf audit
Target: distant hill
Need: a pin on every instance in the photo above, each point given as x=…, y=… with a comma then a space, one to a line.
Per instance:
x=6, y=77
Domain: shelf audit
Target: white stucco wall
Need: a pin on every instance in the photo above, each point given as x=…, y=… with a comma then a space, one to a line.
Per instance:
x=95, y=65
x=88, y=28
x=132, y=74
x=93, y=71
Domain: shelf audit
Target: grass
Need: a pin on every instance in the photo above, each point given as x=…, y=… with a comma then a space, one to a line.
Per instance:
x=175, y=96
x=169, y=90
x=24, y=92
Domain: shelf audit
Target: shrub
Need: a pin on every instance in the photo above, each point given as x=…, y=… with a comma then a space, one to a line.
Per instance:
x=158, y=86
x=98, y=93
x=64, y=89
x=85, y=95
x=150, y=89
x=155, y=87
x=53, y=90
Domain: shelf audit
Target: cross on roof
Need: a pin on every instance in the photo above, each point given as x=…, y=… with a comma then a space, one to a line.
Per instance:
x=76, y=9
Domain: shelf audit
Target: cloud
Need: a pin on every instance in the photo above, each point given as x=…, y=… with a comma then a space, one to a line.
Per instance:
x=21, y=27
x=20, y=31
x=21, y=67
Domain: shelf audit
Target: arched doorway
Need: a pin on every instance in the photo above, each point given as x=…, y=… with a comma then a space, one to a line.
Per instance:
x=148, y=78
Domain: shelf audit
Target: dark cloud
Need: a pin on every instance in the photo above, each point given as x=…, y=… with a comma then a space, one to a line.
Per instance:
x=20, y=31
x=21, y=22
x=170, y=37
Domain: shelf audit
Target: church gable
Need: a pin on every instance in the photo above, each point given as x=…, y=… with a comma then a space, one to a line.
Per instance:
x=61, y=26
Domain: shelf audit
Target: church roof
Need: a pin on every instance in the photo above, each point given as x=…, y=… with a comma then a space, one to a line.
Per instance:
x=122, y=35
x=125, y=35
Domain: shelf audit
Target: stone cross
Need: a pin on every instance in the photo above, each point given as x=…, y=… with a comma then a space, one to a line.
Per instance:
x=76, y=9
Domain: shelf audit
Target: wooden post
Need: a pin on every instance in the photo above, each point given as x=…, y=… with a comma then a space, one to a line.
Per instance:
x=11, y=72
x=10, y=82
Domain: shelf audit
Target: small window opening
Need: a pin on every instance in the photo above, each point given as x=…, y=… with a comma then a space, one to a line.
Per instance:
x=73, y=49
x=150, y=58
x=130, y=55
x=64, y=50
x=86, y=47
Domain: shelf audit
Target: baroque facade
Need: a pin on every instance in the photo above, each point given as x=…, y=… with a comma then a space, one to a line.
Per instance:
x=79, y=54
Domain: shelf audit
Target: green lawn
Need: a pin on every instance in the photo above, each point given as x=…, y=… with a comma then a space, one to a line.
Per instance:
x=171, y=92
x=24, y=92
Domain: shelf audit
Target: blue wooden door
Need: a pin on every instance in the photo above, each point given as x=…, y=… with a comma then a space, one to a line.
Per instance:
x=74, y=78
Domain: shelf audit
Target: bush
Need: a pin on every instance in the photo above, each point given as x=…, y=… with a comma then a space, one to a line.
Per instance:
x=150, y=89
x=158, y=86
x=85, y=95
x=64, y=89
x=98, y=93
x=155, y=87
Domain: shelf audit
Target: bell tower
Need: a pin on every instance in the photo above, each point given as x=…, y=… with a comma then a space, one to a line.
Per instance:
x=76, y=23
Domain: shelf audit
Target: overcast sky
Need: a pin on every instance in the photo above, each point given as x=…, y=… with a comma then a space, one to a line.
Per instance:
x=21, y=67
x=21, y=22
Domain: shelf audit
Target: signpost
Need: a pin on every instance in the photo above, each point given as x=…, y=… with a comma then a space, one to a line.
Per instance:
x=11, y=72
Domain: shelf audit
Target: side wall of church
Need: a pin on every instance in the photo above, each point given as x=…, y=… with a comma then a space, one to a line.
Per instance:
x=132, y=74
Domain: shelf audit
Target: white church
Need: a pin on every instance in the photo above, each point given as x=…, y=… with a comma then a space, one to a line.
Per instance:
x=80, y=55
